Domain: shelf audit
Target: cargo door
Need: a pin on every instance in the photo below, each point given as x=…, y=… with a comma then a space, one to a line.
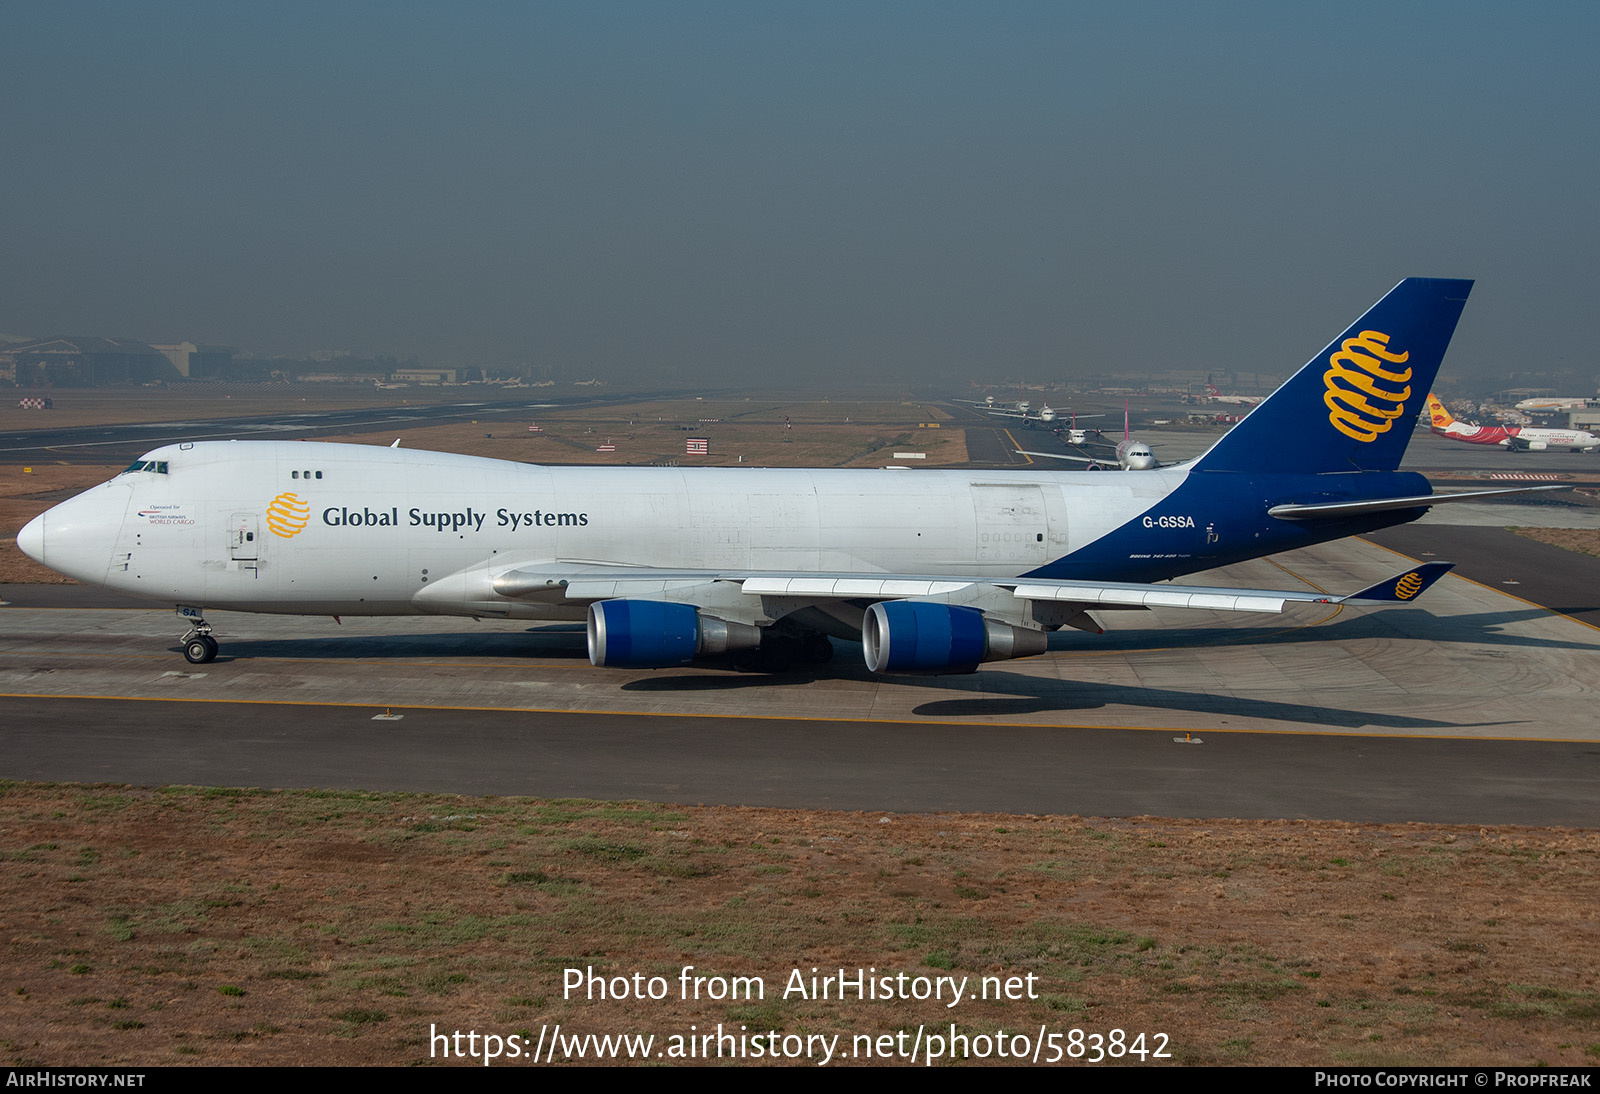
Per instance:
x=1011, y=524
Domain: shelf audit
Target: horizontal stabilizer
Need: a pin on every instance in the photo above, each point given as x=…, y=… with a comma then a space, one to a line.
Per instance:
x=1339, y=509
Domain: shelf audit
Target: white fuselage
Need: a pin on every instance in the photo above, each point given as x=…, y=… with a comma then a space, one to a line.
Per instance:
x=1572, y=440
x=352, y=529
x=1570, y=403
x=1520, y=437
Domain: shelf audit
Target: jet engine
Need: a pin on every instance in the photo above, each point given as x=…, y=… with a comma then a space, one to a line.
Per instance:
x=645, y=634
x=917, y=636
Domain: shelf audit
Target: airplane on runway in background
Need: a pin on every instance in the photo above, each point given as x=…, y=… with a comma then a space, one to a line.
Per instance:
x=1048, y=418
x=1518, y=438
x=1129, y=454
x=933, y=571
x=1024, y=411
x=1018, y=409
x=1072, y=434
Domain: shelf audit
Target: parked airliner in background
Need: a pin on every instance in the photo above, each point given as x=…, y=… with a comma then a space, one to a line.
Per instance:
x=1215, y=396
x=934, y=571
x=1518, y=438
x=1553, y=403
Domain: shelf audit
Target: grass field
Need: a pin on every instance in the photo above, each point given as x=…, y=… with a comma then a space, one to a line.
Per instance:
x=174, y=925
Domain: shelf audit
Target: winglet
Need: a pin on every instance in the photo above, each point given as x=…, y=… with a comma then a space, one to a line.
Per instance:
x=1401, y=587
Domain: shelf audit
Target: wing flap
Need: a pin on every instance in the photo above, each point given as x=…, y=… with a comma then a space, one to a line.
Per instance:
x=851, y=588
x=1155, y=596
x=603, y=589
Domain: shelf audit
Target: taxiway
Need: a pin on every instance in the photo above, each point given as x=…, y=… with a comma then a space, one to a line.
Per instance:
x=1475, y=707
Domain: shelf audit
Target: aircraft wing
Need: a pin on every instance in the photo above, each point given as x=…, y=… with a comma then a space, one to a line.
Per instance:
x=1064, y=456
x=592, y=583
x=1103, y=461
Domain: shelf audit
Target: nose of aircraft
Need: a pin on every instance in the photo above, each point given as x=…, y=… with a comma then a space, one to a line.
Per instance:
x=30, y=541
x=78, y=536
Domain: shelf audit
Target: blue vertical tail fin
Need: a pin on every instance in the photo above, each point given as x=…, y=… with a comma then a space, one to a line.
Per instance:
x=1351, y=408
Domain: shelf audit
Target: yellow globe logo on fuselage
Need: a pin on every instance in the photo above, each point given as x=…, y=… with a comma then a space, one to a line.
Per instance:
x=288, y=516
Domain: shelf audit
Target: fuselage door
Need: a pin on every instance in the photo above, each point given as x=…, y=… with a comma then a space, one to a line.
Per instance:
x=244, y=534
x=1011, y=524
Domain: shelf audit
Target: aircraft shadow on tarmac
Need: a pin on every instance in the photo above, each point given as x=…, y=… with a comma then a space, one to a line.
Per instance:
x=1033, y=695
x=996, y=692
x=1416, y=624
x=733, y=681
x=563, y=642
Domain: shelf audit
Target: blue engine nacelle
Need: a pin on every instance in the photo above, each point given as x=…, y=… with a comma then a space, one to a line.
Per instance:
x=647, y=634
x=916, y=636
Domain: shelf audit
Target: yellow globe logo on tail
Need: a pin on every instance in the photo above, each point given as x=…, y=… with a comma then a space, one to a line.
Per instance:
x=1356, y=376
x=1408, y=586
x=288, y=516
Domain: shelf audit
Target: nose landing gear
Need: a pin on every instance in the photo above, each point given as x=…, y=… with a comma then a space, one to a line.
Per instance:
x=199, y=648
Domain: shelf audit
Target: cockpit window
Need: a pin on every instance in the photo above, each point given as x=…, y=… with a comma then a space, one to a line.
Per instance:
x=157, y=466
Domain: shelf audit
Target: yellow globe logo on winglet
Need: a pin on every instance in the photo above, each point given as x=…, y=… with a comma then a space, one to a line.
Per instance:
x=288, y=516
x=1356, y=377
x=1408, y=586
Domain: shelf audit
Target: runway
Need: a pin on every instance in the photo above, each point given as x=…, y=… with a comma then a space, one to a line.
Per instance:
x=1469, y=707
x=119, y=442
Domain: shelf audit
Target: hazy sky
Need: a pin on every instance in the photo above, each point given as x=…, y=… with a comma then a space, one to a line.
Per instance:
x=783, y=191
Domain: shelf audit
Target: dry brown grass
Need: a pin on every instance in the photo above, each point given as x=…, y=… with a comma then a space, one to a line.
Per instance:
x=106, y=405
x=752, y=434
x=1584, y=540
x=180, y=925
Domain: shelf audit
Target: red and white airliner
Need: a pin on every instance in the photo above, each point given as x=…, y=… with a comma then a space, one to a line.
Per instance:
x=1517, y=438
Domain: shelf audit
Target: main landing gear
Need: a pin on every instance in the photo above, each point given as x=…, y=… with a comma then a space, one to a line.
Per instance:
x=199, y=648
